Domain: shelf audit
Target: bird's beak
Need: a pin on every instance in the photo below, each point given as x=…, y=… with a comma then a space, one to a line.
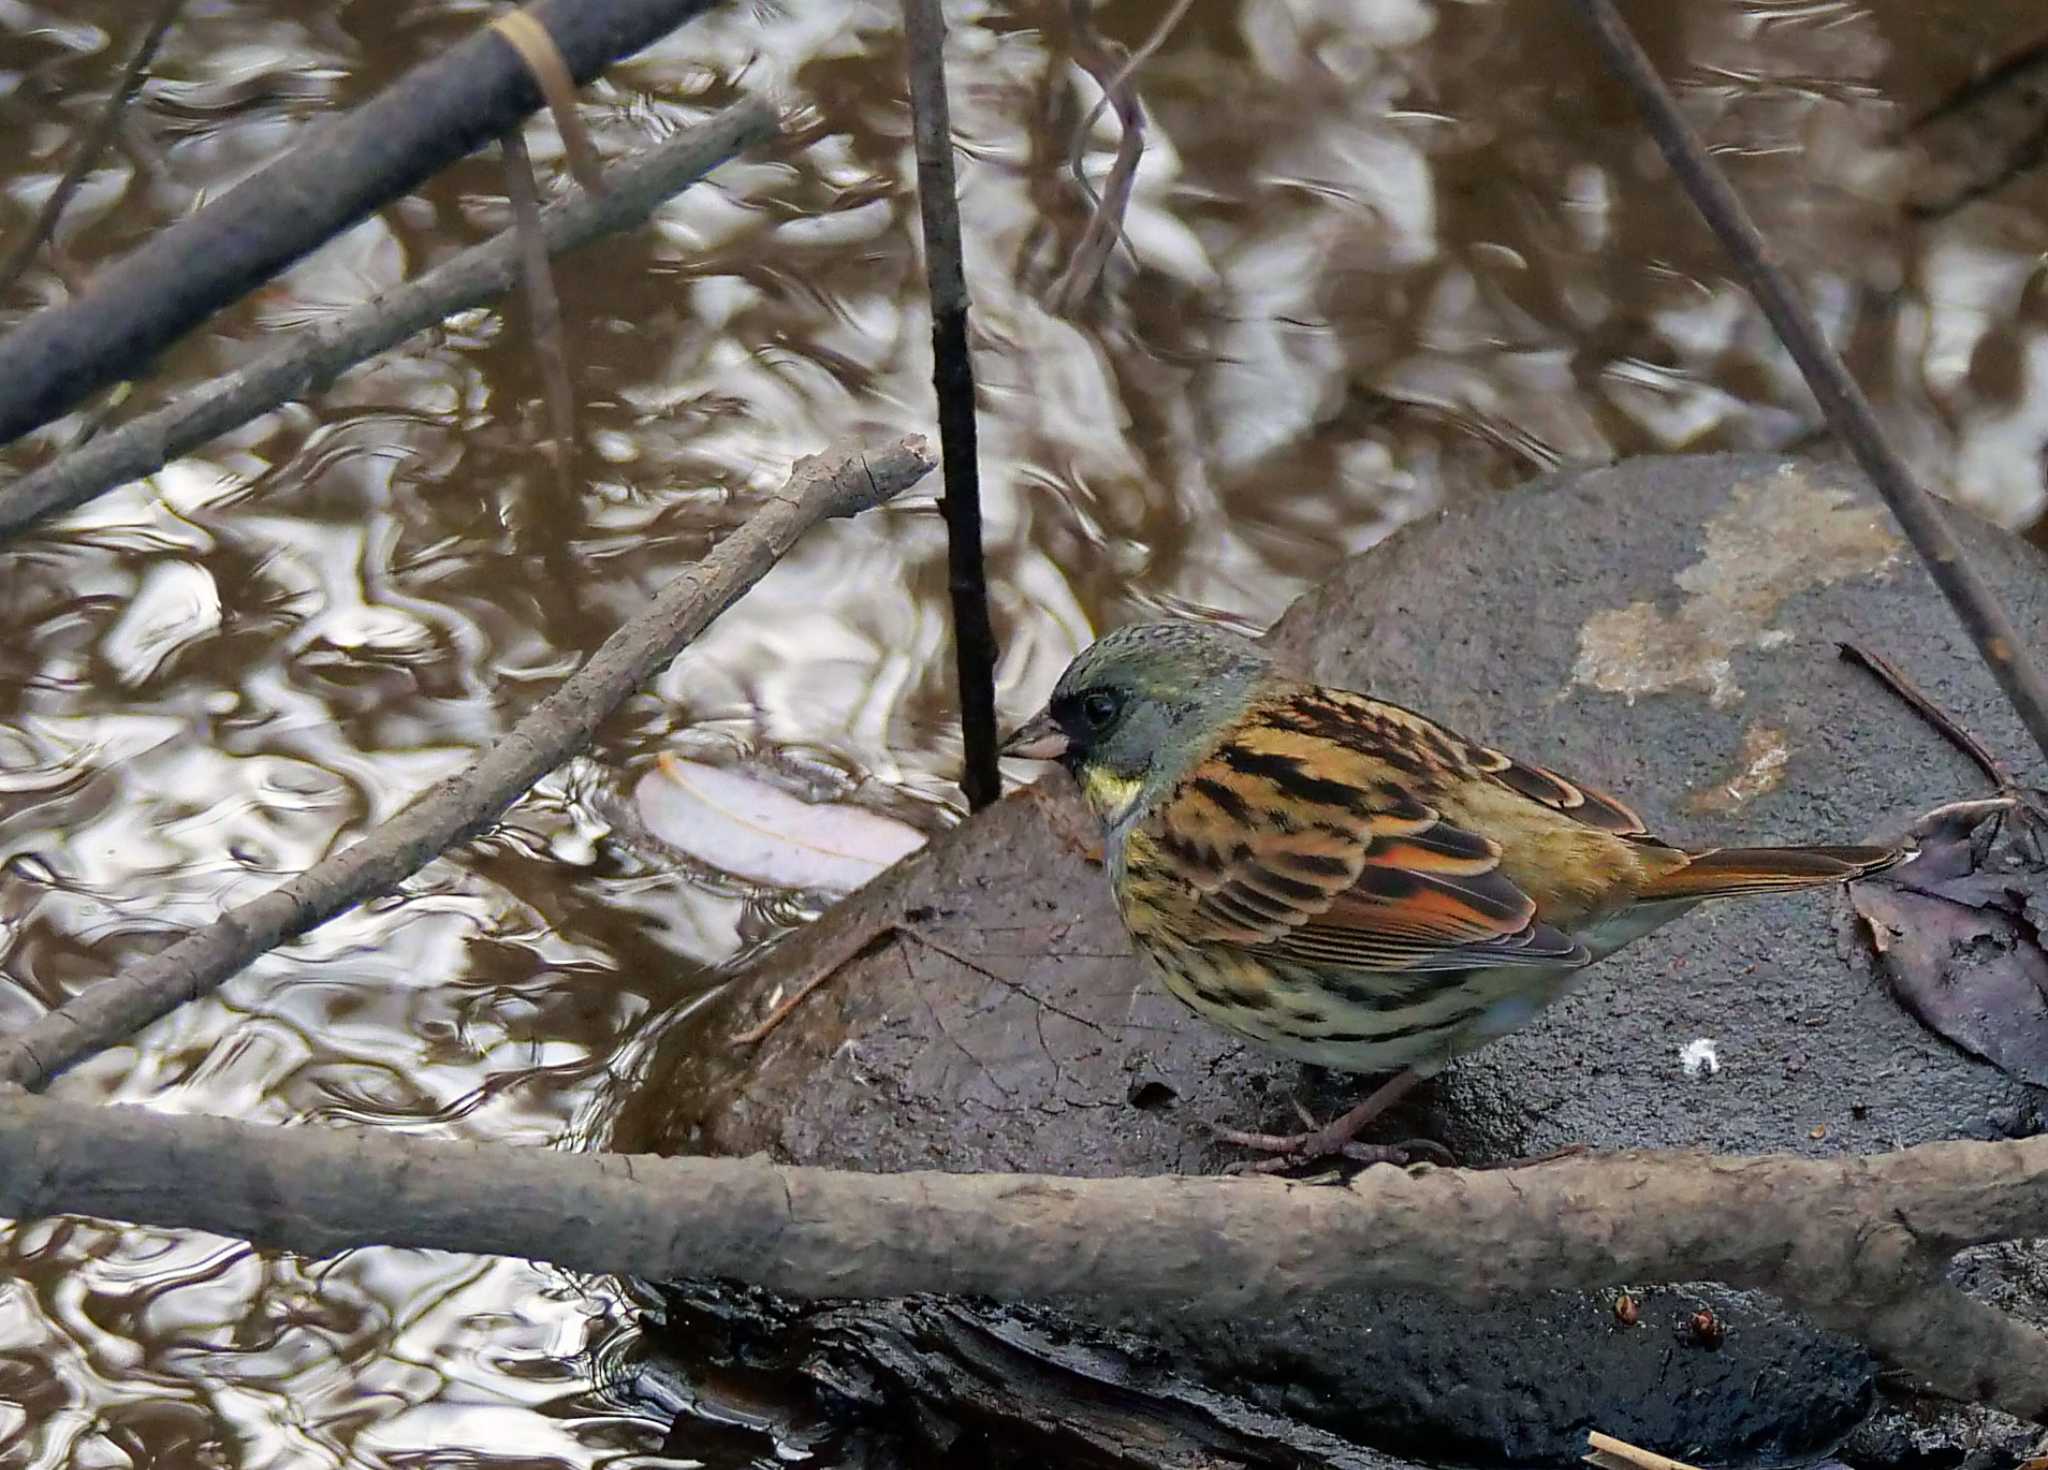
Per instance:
x=1038, y=739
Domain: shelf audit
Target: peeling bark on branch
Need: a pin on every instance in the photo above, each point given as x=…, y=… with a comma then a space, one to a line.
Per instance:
x=1858, y=1244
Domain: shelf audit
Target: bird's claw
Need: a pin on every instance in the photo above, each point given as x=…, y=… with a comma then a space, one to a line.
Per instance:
x=1291, y=1151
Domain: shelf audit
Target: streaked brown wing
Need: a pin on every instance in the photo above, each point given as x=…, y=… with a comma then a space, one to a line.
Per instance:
x=1594, y=808
x=1292, y=841
x=1414, y=746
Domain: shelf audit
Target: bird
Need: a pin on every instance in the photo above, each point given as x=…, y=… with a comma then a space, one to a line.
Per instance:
x=1348, y=883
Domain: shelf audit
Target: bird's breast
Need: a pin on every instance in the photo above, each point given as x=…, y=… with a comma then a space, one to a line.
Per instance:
x=1351, y=1020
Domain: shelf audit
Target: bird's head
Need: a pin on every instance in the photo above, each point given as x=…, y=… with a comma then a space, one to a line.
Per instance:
x=1137, y=706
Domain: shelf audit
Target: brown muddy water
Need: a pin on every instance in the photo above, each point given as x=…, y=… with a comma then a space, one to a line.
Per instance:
x=1383, y=256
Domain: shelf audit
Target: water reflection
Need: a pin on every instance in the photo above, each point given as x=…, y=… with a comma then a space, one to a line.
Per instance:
x=1381, y=259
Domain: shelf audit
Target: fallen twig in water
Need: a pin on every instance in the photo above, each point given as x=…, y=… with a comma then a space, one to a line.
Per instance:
x=545, y=309
x=457, y=808
x=1113, y=72
x=90, y=147
x=333, y=176
x=550, y=70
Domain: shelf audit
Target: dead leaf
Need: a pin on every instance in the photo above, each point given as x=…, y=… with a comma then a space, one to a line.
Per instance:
x=740, y=824
x=1958, y=933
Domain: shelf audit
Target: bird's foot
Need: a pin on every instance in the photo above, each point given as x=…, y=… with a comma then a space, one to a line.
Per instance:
x=1290, y=1151
x=1335, y=1140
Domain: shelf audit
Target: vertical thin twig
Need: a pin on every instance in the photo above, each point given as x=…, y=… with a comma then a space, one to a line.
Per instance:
x=1848, y=411
x=538, y=279
x=90, y=147
x=974, y=639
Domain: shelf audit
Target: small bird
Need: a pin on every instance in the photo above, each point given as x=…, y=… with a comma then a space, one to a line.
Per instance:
x=1348, y=883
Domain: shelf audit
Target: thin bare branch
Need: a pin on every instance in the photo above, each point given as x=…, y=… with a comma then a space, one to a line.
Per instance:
x=545, y=307
x=1100, y=59
x=813, y=970
x=1894, y=678
x=544, y=59
x=459, y=807
x=974, y=638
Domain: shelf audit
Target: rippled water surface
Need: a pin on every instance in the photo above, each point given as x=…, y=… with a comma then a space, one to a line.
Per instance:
x=1382, y=256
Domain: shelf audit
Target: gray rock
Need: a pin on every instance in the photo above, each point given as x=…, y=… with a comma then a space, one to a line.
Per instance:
x=1664, y=629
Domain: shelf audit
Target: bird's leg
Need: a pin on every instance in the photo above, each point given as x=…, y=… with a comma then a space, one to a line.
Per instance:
x=1336, y=1138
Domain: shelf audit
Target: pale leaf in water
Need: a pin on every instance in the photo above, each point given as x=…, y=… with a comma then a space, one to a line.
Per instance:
x=741, y=825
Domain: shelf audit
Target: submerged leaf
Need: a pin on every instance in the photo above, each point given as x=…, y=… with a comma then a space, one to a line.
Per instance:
x=742, y=825
x=1957, y=933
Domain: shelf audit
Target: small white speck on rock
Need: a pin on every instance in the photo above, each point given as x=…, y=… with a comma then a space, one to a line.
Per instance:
x=1699, y=1057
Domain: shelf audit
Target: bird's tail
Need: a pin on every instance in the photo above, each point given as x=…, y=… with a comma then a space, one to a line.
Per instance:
x=1724, y=872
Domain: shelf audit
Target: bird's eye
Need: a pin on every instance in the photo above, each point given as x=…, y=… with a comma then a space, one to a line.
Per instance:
x=1100, y=709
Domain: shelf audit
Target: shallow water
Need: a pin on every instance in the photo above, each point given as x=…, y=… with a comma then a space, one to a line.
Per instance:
x=1382, y=258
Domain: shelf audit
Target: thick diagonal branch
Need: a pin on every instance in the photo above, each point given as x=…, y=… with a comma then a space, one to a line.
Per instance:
x=1856, y=1244
x=464, y=804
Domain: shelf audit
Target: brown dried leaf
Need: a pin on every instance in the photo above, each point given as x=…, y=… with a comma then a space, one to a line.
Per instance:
x=1958, y=933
